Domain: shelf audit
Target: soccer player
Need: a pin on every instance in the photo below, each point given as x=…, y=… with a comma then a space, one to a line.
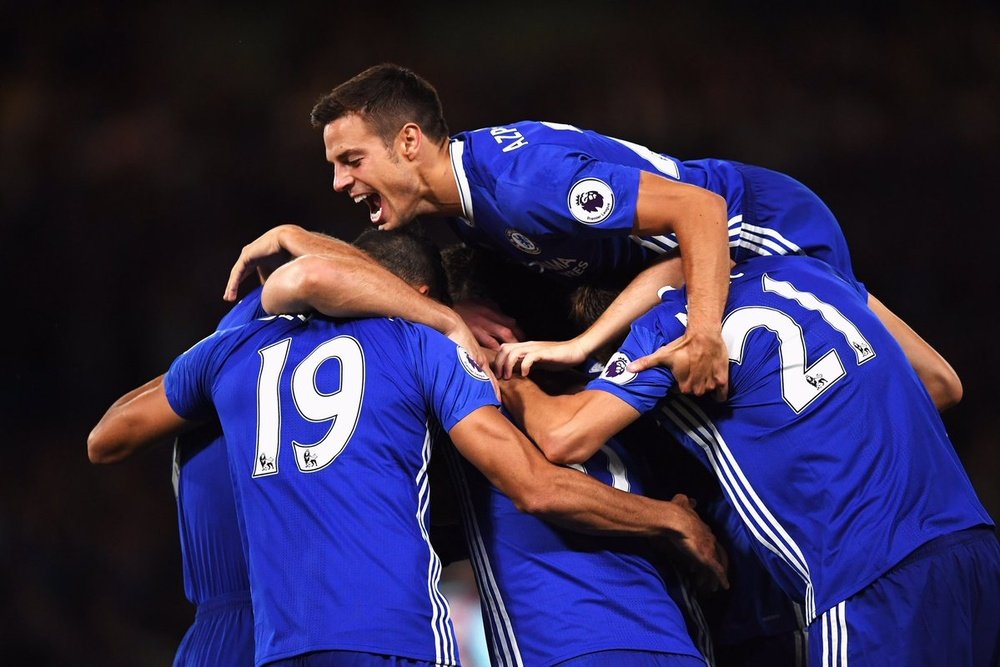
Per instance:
x=550, y=596
x=832, y=452
x=327, y=430
x=213, y=561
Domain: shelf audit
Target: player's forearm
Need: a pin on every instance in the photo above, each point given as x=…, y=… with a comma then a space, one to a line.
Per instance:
x=136, y=421
x=350, y=287
x=698, y=218
x=299, y=242
x=551, y=421
x=939, y=378
x=578, y=502
x=704, y=240
x=635, y=300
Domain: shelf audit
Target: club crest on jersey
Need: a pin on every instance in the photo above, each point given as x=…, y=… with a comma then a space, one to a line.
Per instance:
x=522, y=242
x=614, y=370
x=470, y=365
x=591, y=201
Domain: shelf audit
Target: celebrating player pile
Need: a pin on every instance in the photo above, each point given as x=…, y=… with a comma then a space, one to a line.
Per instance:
x=814, y=406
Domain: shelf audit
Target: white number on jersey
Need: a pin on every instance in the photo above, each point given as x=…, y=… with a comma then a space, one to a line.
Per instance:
x=341, y=408
x=616, y=468
x=800, y=384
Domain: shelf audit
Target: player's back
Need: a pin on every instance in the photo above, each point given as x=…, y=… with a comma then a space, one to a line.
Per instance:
x=551, y=595
x=829, y=446
x=326, y=424
x=564, y=201
x=213, y=557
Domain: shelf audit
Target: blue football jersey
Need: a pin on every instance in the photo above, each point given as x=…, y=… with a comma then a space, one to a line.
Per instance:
x=829, y=446
x=213, y=559
x=326, y=427
x=549, y=595
x=563, y=200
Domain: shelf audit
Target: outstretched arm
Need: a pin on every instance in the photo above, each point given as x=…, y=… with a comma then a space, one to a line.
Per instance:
x=339, y=280
x=613, y=324
x=568, y=428
x=574, y=500
x=138, y=420
x=698, y=217
x=940, y=379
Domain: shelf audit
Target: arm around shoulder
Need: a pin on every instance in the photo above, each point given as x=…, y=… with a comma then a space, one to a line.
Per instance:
x=136, y=421
x=940, y=379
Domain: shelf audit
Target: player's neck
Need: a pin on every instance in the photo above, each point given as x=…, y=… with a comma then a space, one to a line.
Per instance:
x=442, y=195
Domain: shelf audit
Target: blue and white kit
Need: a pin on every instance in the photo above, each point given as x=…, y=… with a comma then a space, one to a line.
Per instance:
x=326, y=425
x=563, y=201
x=835, y=457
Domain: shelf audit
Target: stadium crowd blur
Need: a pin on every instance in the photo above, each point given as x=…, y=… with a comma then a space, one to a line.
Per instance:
x=141, y=147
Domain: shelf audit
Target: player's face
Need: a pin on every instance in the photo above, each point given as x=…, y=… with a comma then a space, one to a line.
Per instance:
x=370, y=172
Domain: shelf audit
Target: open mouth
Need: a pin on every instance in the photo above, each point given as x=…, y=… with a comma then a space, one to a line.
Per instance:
x=374, y=202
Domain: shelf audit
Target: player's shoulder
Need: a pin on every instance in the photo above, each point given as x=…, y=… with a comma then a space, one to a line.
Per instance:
x=523, y=142
x=804, y=273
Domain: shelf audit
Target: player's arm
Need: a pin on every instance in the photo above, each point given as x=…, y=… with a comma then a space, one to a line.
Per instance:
x=569, y=428
x=569, y=498
x=280, y=244
x=637, y=298
x=136, y=421
x=940, y=379
x=698, y=217
x=354, y=285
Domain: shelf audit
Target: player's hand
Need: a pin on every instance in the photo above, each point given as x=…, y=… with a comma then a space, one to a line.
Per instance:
x=261, y=256
x=697, y=545
x=490, y=327
x=558, y=354
x=699, y=362
x=460, y=334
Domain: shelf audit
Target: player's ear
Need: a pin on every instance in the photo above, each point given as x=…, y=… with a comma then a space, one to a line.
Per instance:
x=424, y=289
x=409, y=140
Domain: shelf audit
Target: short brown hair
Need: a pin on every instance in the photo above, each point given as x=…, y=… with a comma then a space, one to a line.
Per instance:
x=387, y=96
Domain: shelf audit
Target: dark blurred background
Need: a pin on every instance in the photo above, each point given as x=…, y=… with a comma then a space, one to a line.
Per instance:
x=142, y=145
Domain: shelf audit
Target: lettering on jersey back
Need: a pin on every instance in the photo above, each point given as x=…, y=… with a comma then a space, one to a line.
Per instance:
x=513, y=135
x=571, y=268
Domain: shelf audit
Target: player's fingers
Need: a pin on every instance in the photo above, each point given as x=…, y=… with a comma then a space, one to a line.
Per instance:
x=658, y=358
x=527, y=362
x=487, y=341
x=503, y=334
x=510, y=363
x=236, y=277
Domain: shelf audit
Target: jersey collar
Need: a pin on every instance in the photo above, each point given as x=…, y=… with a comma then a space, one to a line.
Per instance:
x=456, y=149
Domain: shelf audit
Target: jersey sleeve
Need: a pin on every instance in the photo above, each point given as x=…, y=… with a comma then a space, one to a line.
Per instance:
x=649, y=333
x=453, y=384
x=559, y=189
x=246, y=310
x=188, y=383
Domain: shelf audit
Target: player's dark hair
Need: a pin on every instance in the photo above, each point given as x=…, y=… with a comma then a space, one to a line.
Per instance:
x=408, y=253
x=586, y=304
x=387, y=96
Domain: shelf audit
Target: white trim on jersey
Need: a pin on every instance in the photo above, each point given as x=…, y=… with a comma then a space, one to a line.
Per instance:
x=457, y=148
x=505, y=651
x=694, y=613
x=833, y=628
x=441, y=626
x=658, y=244
x=759, y=239
x=688, y=417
